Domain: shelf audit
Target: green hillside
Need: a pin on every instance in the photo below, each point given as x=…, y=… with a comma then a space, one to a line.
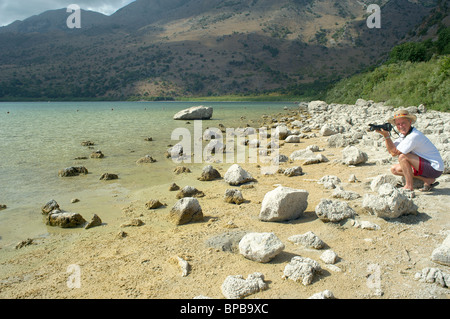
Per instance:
x=416, y=73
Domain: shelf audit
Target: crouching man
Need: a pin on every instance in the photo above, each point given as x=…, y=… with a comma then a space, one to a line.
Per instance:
x=417, y=155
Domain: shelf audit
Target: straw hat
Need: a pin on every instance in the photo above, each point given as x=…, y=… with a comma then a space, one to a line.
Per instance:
x=402, y=113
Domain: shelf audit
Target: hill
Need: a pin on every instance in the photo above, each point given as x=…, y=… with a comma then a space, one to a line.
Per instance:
x=181, y=48
x=415, y=73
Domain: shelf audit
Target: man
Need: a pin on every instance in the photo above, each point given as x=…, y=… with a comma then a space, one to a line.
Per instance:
x=417, y=156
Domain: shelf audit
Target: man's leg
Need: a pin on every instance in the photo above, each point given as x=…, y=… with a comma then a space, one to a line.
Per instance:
x=405, y=168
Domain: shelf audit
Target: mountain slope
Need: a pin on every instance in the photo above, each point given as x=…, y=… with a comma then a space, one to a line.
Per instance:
x=202, y=47
x=53, y=20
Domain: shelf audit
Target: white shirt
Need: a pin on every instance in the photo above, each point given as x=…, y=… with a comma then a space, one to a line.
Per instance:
x=417, y=143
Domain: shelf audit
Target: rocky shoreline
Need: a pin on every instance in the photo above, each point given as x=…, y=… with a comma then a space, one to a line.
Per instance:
x=331, y=222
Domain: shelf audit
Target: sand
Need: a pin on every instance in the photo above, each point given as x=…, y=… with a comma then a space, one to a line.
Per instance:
x=377, y=264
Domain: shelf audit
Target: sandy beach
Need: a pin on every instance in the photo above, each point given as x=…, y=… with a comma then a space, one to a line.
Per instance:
x=119, y=261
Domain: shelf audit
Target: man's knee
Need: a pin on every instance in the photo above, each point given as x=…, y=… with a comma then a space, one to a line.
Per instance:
x=396, y=170
x=403, y=157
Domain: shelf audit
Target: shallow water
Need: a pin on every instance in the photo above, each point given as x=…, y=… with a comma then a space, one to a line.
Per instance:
x=39, y=139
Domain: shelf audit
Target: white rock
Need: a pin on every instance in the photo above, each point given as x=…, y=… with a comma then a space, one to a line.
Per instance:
x=329, y=181
x=329, y=257
x=327, y=130
x=390, y=203
x=308, y=239
x=301, y=269
x=260, y=247
x=326, y=294
x=281, y=132
x=434, y=275
x=351, y=155
x=292, y=139
x=195, y=113
x=236, y=175
x=333, y=210
x=441, y=255
x=317, y=106
x=236, y=287
x=383, y=179
x=283, y=203
x=364, y=224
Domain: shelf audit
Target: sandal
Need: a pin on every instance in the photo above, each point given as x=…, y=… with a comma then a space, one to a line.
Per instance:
x=428, y=188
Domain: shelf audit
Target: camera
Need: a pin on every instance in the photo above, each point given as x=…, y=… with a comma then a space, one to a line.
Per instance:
x=386, y=127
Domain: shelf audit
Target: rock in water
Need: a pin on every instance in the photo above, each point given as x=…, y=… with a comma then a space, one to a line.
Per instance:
x=73, y=171
x=64, y=219
x=195, y=113
x=108, y=176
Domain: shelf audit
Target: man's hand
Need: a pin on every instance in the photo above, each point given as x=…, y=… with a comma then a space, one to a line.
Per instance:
x=385, y=134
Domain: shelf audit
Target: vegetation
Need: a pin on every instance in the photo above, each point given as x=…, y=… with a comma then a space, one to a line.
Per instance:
x=416, y=73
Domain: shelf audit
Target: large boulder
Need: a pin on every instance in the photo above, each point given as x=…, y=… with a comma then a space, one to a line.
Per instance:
x=186, y=210
x=260, y=247
x=390, y=203
x=283, y=203
x=236, y=175
x=195, y=113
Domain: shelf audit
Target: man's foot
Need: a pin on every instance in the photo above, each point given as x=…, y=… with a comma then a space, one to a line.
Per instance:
x=428, y=187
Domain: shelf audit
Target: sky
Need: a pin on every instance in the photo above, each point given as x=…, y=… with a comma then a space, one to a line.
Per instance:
x=12, y=10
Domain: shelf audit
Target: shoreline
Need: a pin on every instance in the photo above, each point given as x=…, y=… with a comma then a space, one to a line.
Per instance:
x=140, y=265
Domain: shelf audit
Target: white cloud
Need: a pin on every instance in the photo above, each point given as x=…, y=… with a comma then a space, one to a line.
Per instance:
x=12, y=10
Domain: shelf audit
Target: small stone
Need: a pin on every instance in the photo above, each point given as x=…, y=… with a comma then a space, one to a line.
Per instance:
x=174, y=187
x=108, y=176
x=96, y=221
x=97, y=154
x=233, y=196
x=133, y=223
x=181, y=169
x=24, y=243
x=329, y=257
x=153, y=204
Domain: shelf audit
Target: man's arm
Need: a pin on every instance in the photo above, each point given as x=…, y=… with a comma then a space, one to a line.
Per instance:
x=392, y=149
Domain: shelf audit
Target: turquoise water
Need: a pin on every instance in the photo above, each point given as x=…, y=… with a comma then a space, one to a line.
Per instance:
x=39, y=139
